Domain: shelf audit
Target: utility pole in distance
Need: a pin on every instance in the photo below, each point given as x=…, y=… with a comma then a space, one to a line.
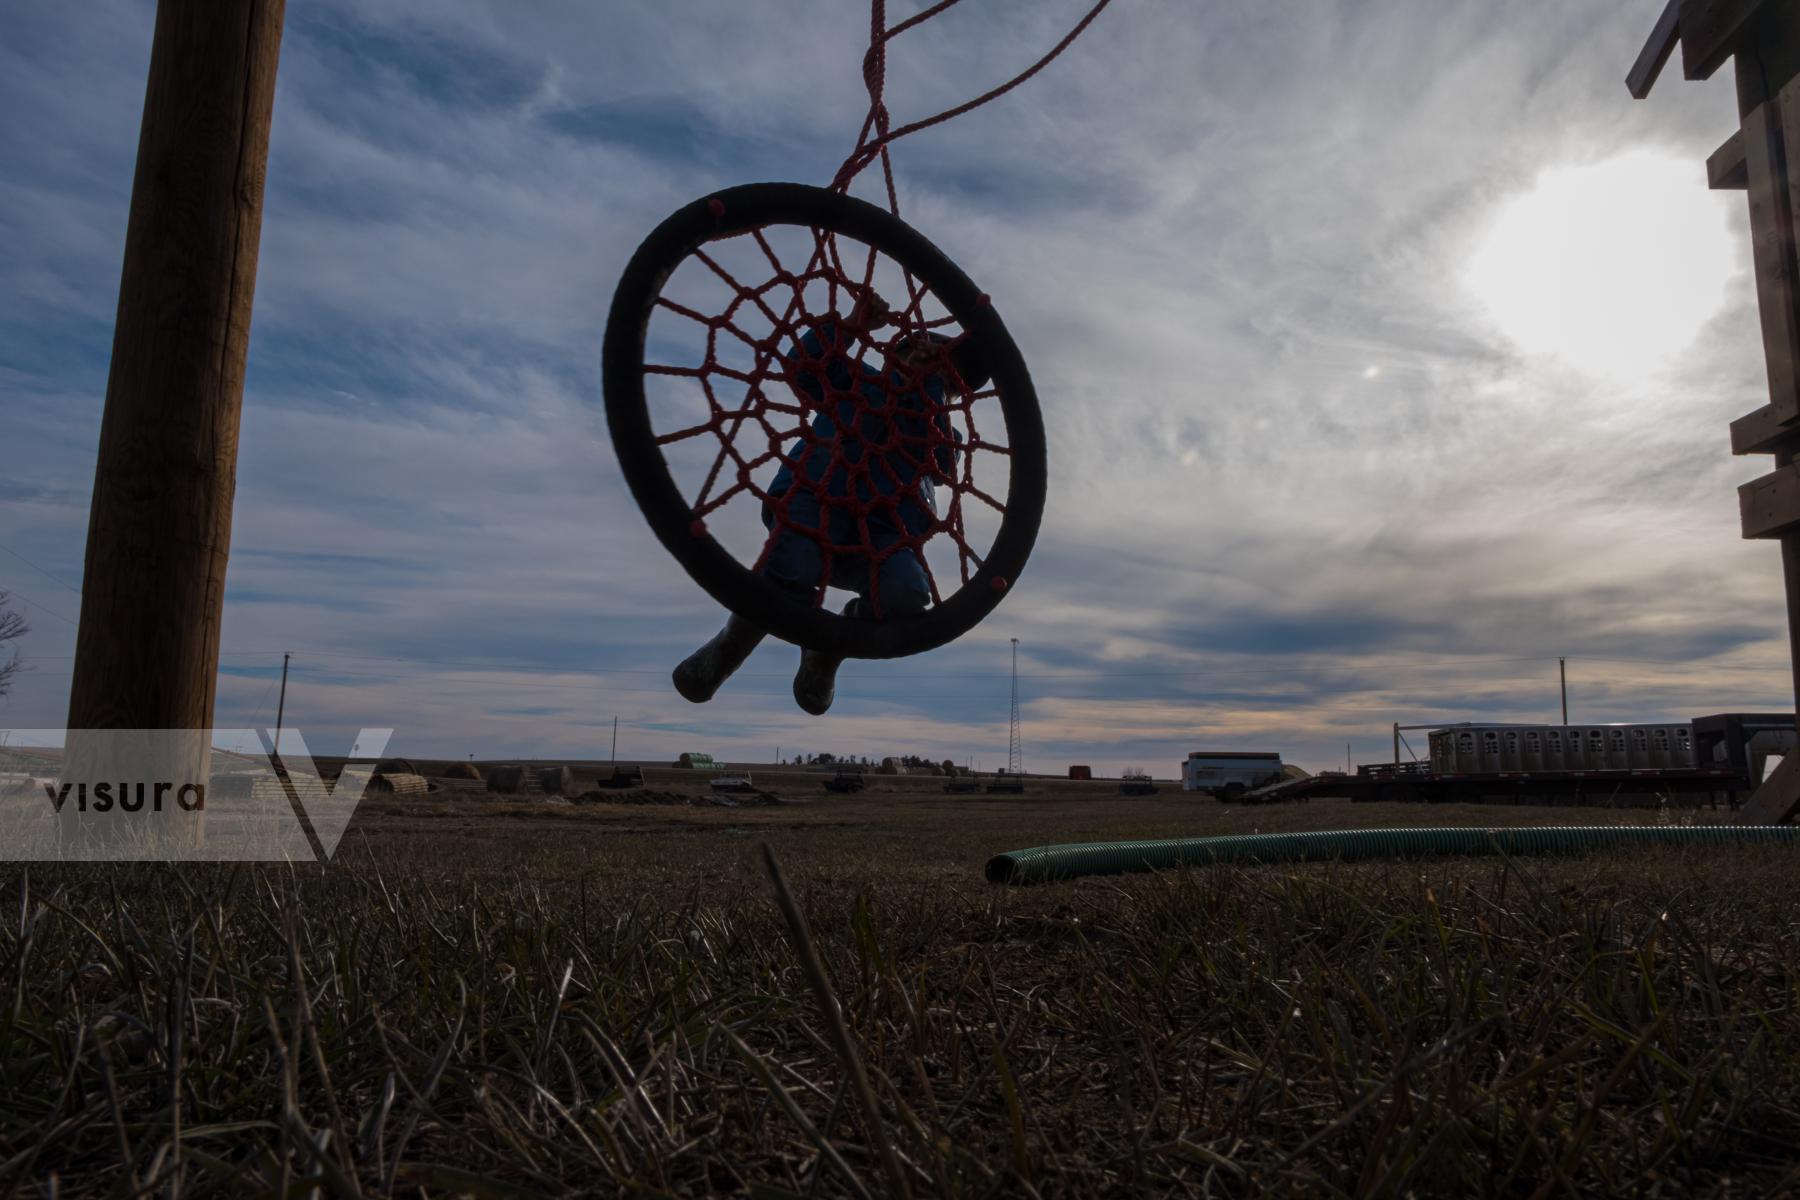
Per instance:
x=159, y=528
x=1015, y=753
x=1562, y=674
x=281, y=705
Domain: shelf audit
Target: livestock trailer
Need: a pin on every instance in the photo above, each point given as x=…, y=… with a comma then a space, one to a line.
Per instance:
x=1471, y=749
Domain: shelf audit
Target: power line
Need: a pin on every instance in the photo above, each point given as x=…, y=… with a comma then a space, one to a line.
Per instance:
x=43, y=608
x=528, y=674
x=40, y=570
x=1437, y=663
x=70, y=622
x=1201, y=680
x=520, y=691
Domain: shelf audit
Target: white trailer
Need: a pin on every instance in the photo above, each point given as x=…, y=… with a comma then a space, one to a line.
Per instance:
x=1229, y=772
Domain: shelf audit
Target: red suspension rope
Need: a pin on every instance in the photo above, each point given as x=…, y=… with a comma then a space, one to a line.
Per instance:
x=889, y=477
x=875, y=79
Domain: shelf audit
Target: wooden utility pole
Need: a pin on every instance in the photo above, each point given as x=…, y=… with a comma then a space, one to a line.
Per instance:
x=281, y=705
x=1562, y=679
x=1762, y=40
x=159, y=529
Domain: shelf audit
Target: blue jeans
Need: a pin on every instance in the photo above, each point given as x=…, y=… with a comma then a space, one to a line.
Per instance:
x=796, y=560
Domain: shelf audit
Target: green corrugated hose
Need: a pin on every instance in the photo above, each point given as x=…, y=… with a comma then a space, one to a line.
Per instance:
x=1045, y=864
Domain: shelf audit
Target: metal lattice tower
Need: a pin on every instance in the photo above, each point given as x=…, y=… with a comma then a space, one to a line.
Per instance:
x=1015, y=756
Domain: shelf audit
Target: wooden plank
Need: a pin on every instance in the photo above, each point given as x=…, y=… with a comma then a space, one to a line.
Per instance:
x=1777, y=801
x=1787, y=106
x=1761, y=432
x=1710, y=30
x=1790, y=584
x=1768, y=54
x=1772, y=253
x=1770, y=506
x=1726, y=169
x=1656, y=51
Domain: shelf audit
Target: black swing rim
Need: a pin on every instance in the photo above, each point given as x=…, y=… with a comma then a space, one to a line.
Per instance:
x=739, y=210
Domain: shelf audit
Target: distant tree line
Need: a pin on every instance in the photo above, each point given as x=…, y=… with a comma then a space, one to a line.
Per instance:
x=826, y=758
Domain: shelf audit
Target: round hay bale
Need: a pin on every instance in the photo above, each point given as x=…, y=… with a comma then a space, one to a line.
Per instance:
x=506, y=781
x=462, y=770
x=399, y=784
x=396, y=766
x=556, y=781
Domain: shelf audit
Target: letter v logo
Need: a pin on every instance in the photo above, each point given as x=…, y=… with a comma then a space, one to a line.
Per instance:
x=328, y=809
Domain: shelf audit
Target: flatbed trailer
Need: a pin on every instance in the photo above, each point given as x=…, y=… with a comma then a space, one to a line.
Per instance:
x=1696, y=785
x=1418, y=783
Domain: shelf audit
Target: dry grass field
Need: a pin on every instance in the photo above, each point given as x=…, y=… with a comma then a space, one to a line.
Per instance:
x=512, y=998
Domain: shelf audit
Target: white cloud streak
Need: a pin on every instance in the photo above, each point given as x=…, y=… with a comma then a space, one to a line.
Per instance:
x=1302, y=486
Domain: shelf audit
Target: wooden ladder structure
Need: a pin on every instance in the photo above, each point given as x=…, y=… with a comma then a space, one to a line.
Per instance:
x=1761, y=38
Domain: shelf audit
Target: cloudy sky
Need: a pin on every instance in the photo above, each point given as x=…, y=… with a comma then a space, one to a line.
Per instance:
x=1386, y=350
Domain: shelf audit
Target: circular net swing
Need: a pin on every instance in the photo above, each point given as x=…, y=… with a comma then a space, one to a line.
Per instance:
x=805, y=393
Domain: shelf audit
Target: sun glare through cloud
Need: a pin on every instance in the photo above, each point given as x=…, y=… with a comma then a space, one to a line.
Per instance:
x=1612, y=268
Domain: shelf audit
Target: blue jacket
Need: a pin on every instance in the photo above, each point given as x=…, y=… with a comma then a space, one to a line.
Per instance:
x=886, y=415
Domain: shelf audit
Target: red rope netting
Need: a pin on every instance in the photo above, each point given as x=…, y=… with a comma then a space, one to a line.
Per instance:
x=842, y=432
x=847, y=452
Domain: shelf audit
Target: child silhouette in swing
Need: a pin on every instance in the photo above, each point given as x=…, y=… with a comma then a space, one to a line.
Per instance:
x=881, y=415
